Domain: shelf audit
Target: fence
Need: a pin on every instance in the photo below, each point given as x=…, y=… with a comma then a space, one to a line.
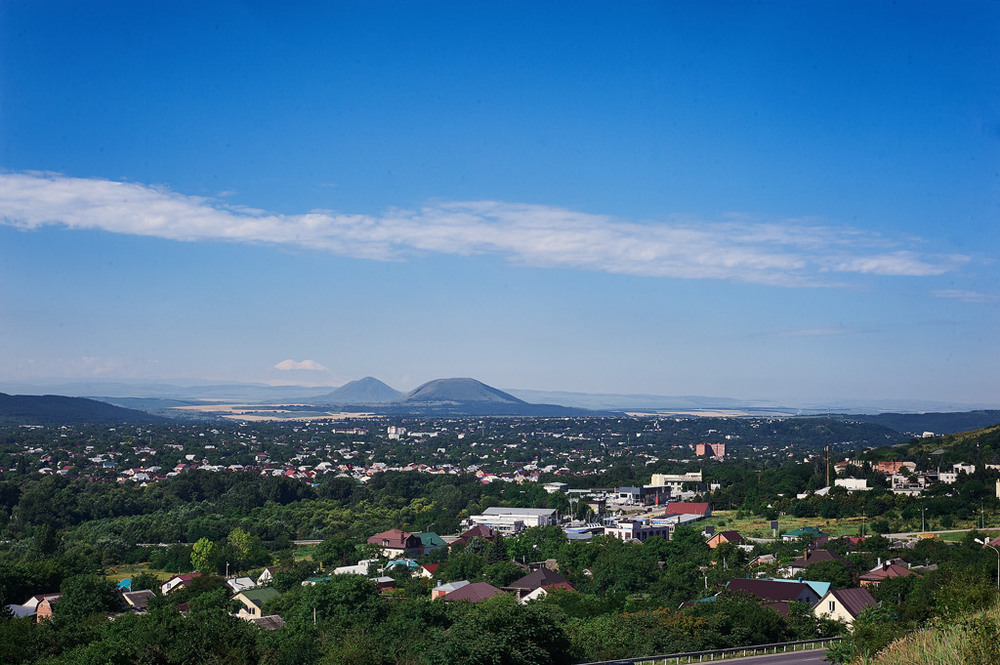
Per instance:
x=720, y=654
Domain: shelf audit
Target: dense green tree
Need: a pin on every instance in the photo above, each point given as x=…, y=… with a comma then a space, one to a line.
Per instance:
x=203, y=555
x=499, y=631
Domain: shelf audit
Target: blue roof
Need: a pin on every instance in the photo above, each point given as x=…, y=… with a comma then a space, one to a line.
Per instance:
x=821, y=588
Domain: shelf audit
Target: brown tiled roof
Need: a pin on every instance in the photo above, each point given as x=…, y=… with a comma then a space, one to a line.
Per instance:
x=854, y=600
x=888, y=570
x=816, y=556
x=543, y=577
x=478, y=531
x=770, y=590
x=395, y=538
x=474, y=592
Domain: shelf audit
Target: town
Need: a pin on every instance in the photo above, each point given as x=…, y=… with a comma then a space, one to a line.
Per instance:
x=672, y=532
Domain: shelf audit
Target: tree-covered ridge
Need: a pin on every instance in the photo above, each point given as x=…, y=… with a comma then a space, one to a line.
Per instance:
x=59, y=410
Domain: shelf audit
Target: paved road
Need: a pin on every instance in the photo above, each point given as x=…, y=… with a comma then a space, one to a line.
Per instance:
x=814, y=657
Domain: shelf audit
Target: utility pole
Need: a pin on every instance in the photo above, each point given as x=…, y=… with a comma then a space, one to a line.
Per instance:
x=828, y=465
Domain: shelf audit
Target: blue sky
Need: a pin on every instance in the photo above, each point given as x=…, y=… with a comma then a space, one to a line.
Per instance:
x=789, y=201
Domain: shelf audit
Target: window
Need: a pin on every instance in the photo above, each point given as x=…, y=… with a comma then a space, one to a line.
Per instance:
x=833, y=605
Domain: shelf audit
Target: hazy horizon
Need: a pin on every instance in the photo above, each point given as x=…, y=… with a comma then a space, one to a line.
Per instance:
x=772, y=202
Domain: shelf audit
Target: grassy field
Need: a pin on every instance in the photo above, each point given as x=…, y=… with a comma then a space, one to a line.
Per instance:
x=117, y=573
x=756, y=527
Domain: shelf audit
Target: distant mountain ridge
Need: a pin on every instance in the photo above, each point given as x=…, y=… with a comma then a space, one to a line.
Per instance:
x=60, y=410
x=470, y=397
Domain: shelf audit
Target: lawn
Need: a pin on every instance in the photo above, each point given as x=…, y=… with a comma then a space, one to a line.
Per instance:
x=130, y=570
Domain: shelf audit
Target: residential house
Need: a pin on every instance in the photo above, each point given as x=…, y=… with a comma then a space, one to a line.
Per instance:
x=20, y=611
x=383, y=583
x=253, y=601
x=44, y=609
x=776, y=595
x=883, y=571
x=809, y=557
x=762, y=560
x=396, y=543
x=473, y=593
x=541, y=578
x=430, y=541
x=427, y=570
x=178, y=581
x=442, y=590
x=478, y=531
x=237, y=584
x=795, y=534
x=267, y=575
x=726, y=537
x=32, y=603
x=821, y=588
x=360, y=568
x=409, y=565
x=138, y=600
x=844, y=604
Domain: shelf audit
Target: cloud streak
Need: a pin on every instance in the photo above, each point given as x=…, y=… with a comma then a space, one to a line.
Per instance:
x=790, y=253
x=966, y=296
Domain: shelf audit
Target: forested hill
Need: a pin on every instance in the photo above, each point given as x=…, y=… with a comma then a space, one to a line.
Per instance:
x=939, y=423
x=59, y=410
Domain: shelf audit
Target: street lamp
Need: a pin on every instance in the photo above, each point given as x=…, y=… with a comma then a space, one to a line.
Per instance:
x=985, y=543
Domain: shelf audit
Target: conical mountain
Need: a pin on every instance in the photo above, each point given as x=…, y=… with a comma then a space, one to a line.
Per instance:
x=458, y=391
x=368, y=390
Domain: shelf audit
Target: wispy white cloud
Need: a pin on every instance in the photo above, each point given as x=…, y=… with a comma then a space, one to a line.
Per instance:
x=818, y=332
x=966, y=296
x=789, y=253
x=310, y=365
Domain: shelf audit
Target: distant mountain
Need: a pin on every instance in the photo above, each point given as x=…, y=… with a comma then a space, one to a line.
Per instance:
x=468, y=397
x=59, y=410
x=458, y=390
x=368, y=390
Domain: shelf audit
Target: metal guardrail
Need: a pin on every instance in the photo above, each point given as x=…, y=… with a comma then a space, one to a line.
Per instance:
x=721, y=654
